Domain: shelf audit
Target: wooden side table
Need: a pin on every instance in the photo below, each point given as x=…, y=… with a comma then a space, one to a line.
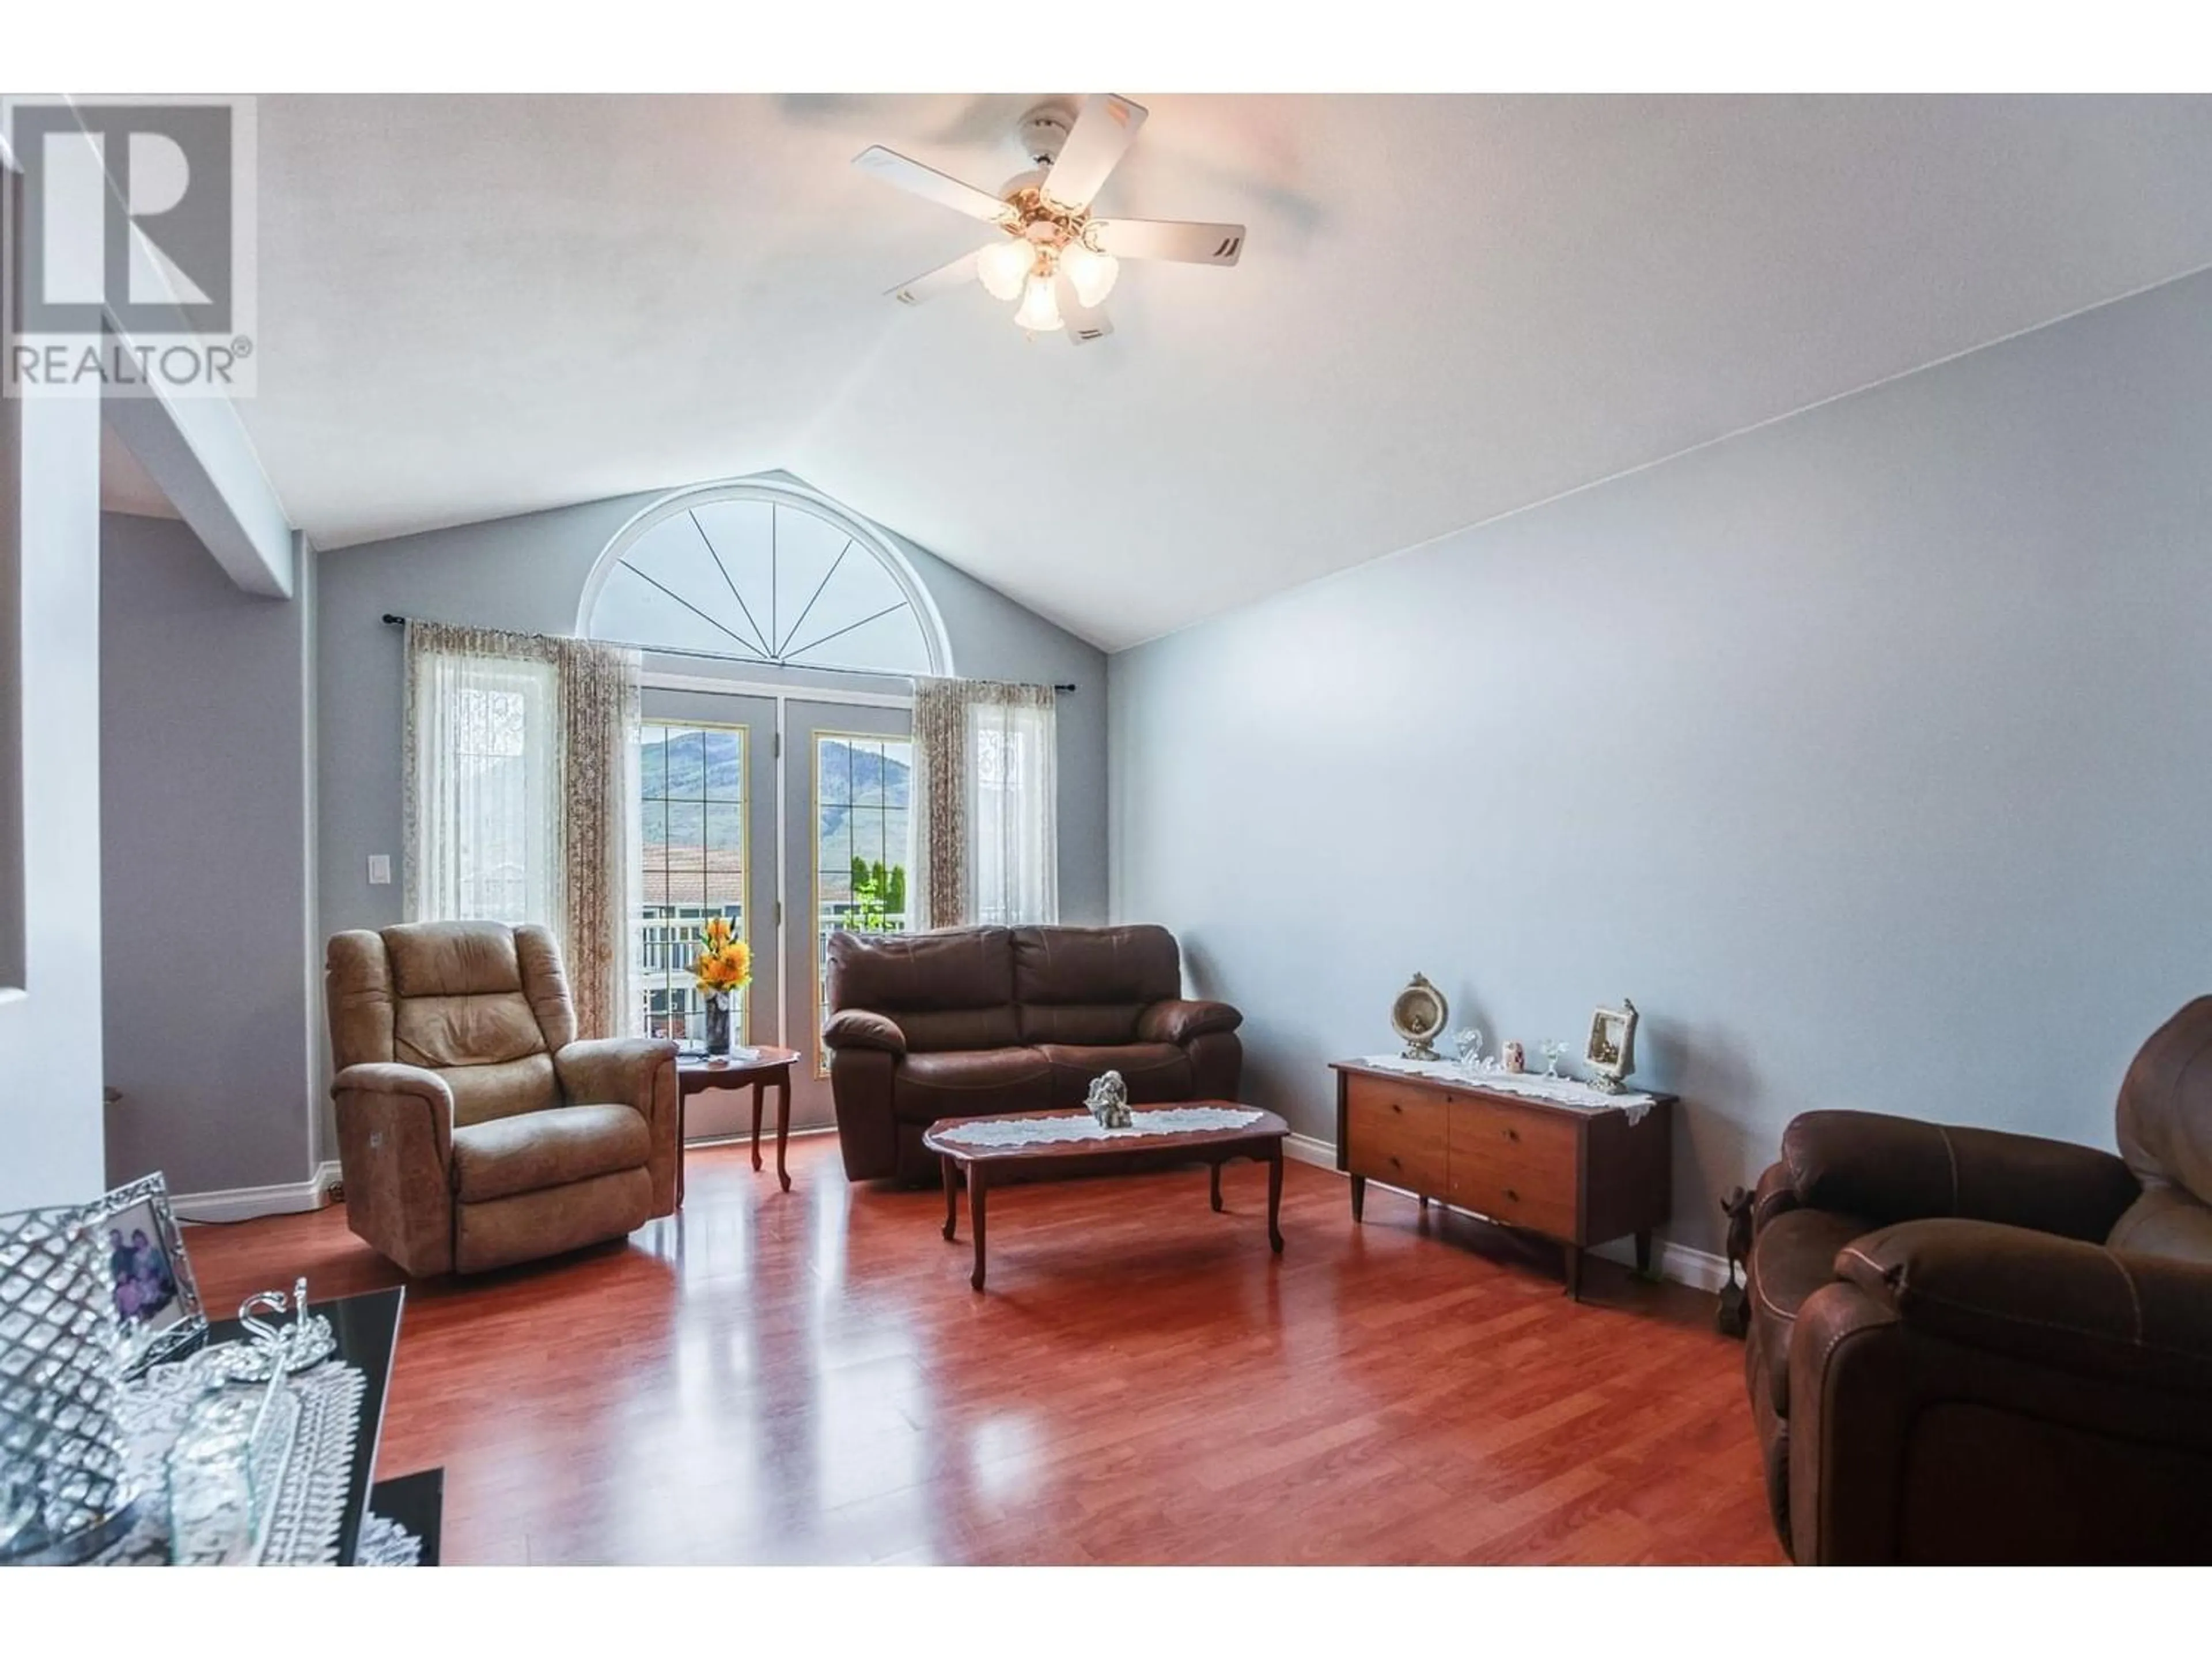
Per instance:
x=757, y=1066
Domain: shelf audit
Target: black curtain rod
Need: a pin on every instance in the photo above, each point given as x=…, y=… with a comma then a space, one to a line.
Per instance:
x=398, y=621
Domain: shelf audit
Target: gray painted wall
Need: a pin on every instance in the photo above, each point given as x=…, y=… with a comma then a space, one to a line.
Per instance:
x=527, y=574
x=203, y=865
x=995, y=639
x=1869, y=751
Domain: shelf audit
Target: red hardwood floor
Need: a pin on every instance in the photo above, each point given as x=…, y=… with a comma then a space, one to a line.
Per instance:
x=806, y=1376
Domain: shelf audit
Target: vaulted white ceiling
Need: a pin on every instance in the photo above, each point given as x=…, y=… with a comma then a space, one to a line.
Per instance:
x=1448, y=308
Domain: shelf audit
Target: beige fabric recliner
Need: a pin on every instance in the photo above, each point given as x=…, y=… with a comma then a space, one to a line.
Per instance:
x=474, y=1130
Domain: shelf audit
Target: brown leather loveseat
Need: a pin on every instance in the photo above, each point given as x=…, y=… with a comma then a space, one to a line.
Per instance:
x=1967, y=1346
x=975, y=1021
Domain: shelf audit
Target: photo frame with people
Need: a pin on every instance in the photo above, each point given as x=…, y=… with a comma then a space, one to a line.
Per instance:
x=150, y=1289
x=1610, y=1053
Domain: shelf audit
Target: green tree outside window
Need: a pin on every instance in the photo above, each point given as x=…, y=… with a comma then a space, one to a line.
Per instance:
x=878, y=894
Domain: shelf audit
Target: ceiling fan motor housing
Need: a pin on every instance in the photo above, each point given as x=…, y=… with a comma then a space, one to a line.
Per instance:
x=1043, y=130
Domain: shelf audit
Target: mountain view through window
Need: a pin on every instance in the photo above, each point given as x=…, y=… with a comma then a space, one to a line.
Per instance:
x=694, y=815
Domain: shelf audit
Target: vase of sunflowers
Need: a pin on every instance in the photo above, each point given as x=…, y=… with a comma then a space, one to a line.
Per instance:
x=723, y=968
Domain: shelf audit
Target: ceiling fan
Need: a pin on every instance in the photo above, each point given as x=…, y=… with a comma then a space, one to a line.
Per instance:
x=1053, y=255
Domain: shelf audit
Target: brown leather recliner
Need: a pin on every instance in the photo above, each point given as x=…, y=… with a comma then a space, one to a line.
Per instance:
x=975, y=1021
x=474, y=1130
x=1971, y=1346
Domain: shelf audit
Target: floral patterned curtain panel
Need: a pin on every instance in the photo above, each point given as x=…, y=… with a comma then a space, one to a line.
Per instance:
x=520, y=775
x=986, y=772
x=937, y=898
x=603, y=858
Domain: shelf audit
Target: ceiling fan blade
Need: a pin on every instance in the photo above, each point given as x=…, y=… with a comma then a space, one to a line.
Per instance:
x=929, y=184
x=1101, y=138
x=1170, y=239
x=942, y=280
x=1084, y=323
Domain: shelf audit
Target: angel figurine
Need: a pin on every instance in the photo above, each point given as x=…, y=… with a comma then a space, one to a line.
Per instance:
x=1109, y=1101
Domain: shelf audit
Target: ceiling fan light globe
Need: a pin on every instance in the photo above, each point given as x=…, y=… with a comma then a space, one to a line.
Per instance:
x=1004, y=269
x=1040, y=308
x=1092, y=273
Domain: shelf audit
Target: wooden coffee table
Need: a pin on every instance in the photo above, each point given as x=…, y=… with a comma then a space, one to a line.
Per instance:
x=760, y=1068
x=987, y=1164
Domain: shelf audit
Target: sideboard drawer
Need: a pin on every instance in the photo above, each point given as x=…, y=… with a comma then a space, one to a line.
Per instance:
x=1397, y=1136
x=1514, y=1198
x=1520, y=1142
x=1514, y=1165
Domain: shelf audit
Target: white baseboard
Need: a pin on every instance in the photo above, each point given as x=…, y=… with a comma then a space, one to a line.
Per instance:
x=743, y=1137
x=1679, y=1264
x=1701, y=1270
x=244, y=1203
x=298, y=1197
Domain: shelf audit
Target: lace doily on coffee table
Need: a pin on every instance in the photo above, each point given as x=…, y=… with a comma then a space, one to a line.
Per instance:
x=386, y=1544
x=1145, y=1120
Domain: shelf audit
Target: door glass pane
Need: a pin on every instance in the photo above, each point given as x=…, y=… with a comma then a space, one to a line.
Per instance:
x=687, y=852
x=686, y=767
x=692, y=782
x=833, y=771
x=868, y=774
x=725, y=757
x=725, y=853
x=862, y=855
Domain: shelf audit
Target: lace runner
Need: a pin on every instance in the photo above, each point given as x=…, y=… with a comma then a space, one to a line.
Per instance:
x=1558, y=1090
x=387, y=1544
x=1157, y=1120
x=324, y=1405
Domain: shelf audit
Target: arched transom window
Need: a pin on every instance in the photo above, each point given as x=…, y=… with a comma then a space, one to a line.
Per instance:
x=762, y=574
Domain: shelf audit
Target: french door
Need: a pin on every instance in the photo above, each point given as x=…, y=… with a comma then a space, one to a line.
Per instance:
x=790, y=817
x=848, y=852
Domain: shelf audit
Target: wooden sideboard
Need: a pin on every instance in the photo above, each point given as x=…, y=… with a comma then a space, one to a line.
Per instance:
x=1578, y=1177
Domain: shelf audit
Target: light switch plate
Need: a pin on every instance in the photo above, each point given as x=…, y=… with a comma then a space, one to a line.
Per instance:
x=379, y=869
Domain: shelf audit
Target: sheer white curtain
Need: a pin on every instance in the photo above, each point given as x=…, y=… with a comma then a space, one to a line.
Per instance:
x=521, y=797
x=1012, y=821
x=986, y=779
x=484, y=779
